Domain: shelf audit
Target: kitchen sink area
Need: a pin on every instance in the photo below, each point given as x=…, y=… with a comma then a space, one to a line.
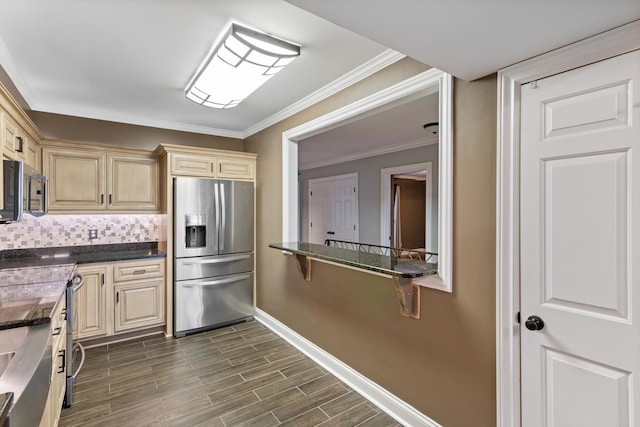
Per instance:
x=25, y=369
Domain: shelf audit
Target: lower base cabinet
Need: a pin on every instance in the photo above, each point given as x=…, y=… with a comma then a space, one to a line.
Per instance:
x=120, y=297
x=139, y=304
x=51, y=413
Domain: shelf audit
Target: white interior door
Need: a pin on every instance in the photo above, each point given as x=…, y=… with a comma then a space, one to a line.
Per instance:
x=333, y=208
x=319, y=211
x=580, y=246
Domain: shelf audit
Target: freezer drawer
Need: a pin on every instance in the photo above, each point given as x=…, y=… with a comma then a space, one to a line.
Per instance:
x=209, y=266
x=213, y=301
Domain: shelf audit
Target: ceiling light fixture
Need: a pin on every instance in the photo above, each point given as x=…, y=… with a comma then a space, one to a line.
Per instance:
x=243, y=61
x=432, y=127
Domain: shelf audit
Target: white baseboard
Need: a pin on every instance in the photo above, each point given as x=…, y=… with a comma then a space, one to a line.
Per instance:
x=396, y=408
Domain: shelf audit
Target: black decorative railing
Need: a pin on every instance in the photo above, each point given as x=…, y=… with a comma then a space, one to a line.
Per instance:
x=410, y=254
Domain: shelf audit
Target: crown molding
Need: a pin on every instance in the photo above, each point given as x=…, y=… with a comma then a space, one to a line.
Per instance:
x=132, y=120
x=378, y=151
x=352, y=77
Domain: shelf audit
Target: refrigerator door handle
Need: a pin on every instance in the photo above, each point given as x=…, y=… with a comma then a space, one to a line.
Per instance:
x=223, y=215
x=216, y=209
x=217, y=282
x=216, y=260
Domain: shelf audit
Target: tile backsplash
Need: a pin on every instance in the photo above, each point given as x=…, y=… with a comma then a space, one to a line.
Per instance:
x=73, y=230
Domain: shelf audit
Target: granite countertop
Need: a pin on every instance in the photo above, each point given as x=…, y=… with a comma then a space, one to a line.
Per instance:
x=394, y=266
x=6, y=399
x=28, y=295
x=33, y=280
x=78, y=254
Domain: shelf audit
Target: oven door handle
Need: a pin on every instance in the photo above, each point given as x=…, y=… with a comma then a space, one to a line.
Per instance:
x=80, y=283
x=78, y=346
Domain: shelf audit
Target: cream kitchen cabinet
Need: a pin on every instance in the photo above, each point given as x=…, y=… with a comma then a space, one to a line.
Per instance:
x=120, y=297
x=86, y=180
x=132, y=182
x=139, y=294
x=57, y=384
x=192, y=165
x=91, y=301
x=18, y=145
x=9, y=137
x=212, y=165
x=234, y=168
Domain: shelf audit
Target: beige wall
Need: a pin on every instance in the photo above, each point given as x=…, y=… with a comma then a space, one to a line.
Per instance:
x=444, y=363
x=68, y=128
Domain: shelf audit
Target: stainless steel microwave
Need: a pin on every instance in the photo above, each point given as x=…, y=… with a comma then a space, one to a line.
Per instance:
x=24, y=191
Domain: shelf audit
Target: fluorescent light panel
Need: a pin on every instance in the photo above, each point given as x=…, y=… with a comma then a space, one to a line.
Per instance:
x=240, y=64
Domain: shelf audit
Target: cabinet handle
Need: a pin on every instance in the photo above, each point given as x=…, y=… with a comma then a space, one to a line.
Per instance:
x=102, y=279
x=56, y=331
x=117, y=297
x=20, y=148
x=63, y=313
x=61, y=353
x=139, y=271
x=110, y=199
x=102, y=199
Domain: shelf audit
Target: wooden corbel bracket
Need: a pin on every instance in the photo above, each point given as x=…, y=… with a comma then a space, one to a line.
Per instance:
x=408, y=296
x=304, y=266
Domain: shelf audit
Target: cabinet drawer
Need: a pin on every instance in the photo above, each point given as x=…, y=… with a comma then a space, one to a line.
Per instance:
x=135, y=270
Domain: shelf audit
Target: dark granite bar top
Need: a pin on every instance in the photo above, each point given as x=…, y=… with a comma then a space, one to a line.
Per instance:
x=78, y=254
x=394, y=266
x=28, y=295
x=6, y=399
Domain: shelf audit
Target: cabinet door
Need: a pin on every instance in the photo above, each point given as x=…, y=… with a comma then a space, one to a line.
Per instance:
x=192, y=165
x=9, y=137
x=236, y=168
x=31, y=153
x=53, y=406
x=2, y=124
x=76, y=180
x=90, y=304
x=139, y=304
x=133, y=183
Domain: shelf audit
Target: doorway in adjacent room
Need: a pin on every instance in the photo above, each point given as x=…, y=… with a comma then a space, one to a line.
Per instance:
x=408, y=207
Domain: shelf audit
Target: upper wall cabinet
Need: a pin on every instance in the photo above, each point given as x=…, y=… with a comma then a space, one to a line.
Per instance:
x=212, y=164
x=132, y=182
x=18, y=145
x=89, y=180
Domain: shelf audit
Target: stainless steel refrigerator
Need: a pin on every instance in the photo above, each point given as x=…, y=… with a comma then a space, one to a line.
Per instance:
x=213, y=247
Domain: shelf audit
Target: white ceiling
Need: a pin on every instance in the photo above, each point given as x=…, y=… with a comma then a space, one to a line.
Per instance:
x=129, y=61
x=473, y=38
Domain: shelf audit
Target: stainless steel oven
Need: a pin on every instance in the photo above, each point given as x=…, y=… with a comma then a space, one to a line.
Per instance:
x=73, y=349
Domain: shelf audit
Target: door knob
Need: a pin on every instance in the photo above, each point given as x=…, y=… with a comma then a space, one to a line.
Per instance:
x=534, y=323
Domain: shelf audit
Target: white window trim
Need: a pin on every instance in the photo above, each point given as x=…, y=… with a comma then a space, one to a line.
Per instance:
x=603, y=46
x=428, y=82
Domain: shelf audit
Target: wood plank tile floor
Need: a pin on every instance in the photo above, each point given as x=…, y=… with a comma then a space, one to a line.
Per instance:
x=241, y=375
